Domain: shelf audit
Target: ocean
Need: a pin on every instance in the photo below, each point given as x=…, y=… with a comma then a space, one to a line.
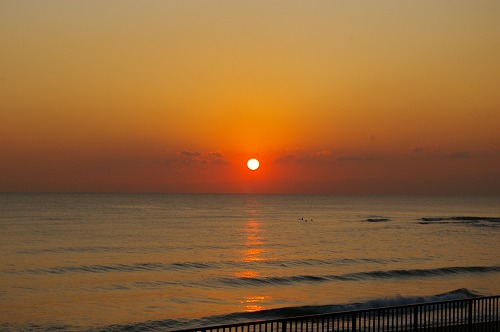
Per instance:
x=161, y=262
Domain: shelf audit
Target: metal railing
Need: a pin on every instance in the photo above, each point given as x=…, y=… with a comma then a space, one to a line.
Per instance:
x=467, y=315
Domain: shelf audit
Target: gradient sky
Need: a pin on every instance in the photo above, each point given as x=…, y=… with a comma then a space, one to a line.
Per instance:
x=346, y=97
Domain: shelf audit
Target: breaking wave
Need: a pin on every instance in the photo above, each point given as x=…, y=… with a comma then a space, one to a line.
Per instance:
x=277, y=313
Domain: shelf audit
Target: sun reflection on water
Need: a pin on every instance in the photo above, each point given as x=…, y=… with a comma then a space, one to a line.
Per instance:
x=247, y=274
x=253, y=303
x=254, y=251
x=253, y=255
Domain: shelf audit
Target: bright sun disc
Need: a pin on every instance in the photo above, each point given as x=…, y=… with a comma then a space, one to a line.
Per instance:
x=253, y=164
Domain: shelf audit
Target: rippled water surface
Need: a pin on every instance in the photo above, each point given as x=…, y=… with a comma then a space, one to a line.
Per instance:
x=116, y=261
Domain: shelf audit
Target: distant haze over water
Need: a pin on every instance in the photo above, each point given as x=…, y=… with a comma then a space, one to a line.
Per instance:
x=163, y=261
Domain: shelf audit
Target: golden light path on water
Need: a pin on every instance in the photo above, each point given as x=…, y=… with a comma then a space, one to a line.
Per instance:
x=253, y=252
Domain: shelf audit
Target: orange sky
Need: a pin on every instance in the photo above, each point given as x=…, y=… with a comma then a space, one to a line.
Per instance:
x=174, y=96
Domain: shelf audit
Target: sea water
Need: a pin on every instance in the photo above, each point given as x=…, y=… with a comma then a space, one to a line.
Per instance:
x=160, y=262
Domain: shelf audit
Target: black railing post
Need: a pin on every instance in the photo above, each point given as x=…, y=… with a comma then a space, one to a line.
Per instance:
x=469, y=319
x=283, y=326
x=415, y=318
x=353, y=324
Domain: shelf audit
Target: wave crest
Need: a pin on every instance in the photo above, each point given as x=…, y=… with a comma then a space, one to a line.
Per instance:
x=472, y=220
x=380, y=274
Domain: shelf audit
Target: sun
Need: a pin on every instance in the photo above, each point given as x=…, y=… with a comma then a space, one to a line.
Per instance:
x=253, y=164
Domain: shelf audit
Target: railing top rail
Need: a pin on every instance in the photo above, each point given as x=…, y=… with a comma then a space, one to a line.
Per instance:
x=339, y=313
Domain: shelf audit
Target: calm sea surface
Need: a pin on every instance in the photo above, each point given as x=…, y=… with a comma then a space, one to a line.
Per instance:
x=86, y=262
